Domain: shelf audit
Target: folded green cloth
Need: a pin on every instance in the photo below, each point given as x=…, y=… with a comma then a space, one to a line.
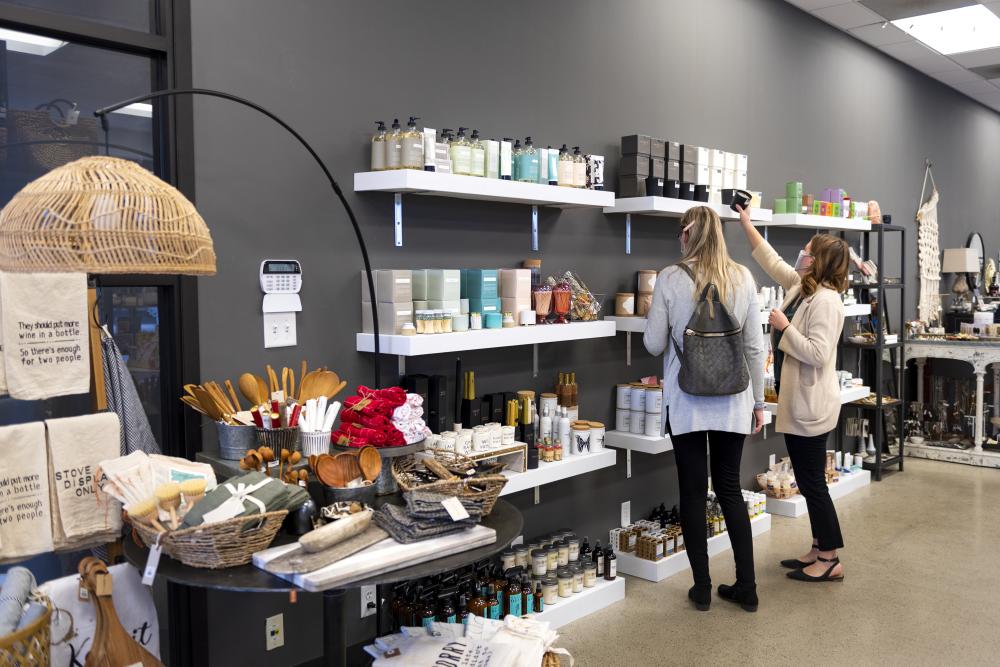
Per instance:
x=406, y=529
x=246, y=495
x=425, y=505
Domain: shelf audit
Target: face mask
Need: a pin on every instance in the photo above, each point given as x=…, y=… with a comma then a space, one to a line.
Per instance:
x=804, y=261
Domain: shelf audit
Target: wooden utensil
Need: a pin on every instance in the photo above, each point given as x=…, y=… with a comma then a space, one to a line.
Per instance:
x=250, y=389
x=300, y=561
x=233, y=396
x=220, y=397
x=189, y=389
x=370, y=462
x=337, y=389
x=194, y=403
x=262, y=391
x=284, y=380
x=272, y=378
x=291, y=383
x=302, y=379
x=208, y=403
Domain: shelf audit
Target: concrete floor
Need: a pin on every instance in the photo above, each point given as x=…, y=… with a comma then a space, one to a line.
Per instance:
x=922, y=587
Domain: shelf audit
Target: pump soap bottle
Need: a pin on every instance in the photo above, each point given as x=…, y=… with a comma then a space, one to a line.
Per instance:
x=478, y=151
x=527, y=164
x=516, y=159
x=378, y=147
x=442, y=152
x=394, y=147
x=565, y=174
x=413, y=146
x=461, y=153
x=579, y=169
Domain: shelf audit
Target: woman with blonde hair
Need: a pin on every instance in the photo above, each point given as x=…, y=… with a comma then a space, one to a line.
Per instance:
x=806, y=331
x=722, y=419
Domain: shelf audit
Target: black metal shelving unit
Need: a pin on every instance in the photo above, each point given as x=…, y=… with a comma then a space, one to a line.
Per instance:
x=871, y=354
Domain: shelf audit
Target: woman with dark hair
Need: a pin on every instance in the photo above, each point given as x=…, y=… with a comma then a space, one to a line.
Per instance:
x=806, y=331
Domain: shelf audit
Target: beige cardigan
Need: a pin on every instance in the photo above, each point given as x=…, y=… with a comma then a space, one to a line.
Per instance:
x=809, y=403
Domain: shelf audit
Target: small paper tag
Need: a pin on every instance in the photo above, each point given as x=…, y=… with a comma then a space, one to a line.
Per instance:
x=84, y=593
x=455, y=509
x=152, y=562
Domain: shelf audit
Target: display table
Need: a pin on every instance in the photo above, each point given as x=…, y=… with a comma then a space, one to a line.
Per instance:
x=979, y=355
x=505, y=519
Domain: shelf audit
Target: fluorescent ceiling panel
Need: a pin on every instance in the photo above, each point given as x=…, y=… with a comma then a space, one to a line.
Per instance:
x=956, y=30
x=24, y=42
x=141, y=109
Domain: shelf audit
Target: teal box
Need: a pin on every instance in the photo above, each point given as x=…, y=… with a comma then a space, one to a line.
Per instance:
x=484, y=305
x=443, y=284
x=780, y=206
x=419, y=284
x=480, y=284
x=793, y=190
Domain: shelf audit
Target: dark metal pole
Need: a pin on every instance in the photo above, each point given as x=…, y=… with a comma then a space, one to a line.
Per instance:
x=103, y=115
x=334, y=631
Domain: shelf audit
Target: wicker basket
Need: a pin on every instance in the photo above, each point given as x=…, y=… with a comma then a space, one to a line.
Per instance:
x=31, y=645
x=486, y=489
x=280, y=438
x=217, y=545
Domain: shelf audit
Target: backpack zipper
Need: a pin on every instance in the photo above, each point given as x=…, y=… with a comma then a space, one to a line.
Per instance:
x=692, y=332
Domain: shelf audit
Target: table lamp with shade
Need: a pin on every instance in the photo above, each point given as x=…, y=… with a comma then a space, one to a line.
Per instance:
x=960, y=261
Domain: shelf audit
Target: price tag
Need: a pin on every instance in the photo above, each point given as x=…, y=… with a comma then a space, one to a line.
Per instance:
x=84, y=593
x=149, y=573
x=455, y=509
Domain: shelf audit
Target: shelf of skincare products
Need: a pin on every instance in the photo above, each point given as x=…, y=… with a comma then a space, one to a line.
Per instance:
x=590, y=600
x=832, y=209
x=571, y=466
x=816, y=222
x=668, y=207
x=847, y=395
x=796, y=505
x=662, y=545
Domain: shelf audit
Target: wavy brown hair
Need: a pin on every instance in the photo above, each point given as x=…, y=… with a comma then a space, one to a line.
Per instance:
x=707, y=254
x=831, y=261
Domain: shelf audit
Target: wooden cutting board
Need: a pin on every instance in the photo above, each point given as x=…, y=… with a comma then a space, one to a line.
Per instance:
x=299, y=561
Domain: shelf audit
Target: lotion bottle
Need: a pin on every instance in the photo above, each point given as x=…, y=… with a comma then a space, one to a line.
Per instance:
x=461, y=153
x=545, y=428
x=543, y=165
x=565, y=174
x=527, y=169
x=442, y=152
x=413, y=146
x=506, y=159
x=430, y=149
x=579, y=169
x=378, y=147
x=478, y=151
x=492, y=158
x=553, y=170
x=394, y=147
x=564, y=431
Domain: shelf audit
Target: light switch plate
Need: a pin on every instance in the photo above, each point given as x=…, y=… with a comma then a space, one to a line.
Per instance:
x=369, y=603
x=279, y=330
x=626, y=513
x=274, y=626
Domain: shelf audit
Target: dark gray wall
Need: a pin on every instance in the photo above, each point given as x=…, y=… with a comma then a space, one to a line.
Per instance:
x=756, y=76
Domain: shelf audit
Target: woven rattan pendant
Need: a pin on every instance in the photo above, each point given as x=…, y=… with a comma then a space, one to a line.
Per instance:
x=103, y=215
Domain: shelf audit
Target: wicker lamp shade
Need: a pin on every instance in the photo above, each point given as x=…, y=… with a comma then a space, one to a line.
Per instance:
x=103, y=215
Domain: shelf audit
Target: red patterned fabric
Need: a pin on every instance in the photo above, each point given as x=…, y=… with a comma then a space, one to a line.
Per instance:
x=367, y=418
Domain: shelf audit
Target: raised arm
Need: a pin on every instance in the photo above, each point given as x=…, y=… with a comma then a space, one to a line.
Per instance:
x=768, y=259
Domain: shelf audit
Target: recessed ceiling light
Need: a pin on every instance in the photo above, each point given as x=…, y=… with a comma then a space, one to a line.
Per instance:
x=956, y=30
x=141, y=109
x=24, y=42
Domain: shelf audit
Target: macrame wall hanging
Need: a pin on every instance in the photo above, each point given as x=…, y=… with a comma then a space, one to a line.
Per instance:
x=929, y=255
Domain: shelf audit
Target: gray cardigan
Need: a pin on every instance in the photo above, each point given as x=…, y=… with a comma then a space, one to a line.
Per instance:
x=673, y=304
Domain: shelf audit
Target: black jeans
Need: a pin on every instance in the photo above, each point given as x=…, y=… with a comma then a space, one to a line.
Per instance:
x=692, y=472
x=808, y=456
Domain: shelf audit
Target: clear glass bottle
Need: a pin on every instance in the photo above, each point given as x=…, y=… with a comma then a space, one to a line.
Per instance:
x=516, y=159
x=413, y=146
x=478, y=151
x=378, y=147
x=565, y=175
x=527, y=169
x=394, y=147
x=579, y=168
x=461, y=153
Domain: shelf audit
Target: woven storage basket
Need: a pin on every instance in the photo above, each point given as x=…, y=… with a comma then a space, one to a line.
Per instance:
x=280, y=438
x=103, y=215
x=30, y=645
x=217, y=545
x=486, y=488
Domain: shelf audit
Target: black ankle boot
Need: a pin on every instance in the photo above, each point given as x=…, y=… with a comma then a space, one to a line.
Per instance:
x=701, y=595
x=741, y=594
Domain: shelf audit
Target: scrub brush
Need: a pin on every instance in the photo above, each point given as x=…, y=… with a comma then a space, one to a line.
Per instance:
x=193, y=490
x=168, y=496
x=145, y=511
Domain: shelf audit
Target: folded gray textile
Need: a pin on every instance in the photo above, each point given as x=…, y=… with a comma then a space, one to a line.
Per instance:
x=17, y=585
x=407, y=529
x=425, y=505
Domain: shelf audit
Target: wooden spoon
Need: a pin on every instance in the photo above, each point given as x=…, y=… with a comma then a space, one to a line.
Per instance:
x=263, y=394
x=337, y=389
x=370, y=462
x=192, y=402
x=250, y=389
x=208, y=403
x=232, y=395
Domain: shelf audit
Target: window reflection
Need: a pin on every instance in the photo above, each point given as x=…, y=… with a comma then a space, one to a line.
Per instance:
x=133, y=14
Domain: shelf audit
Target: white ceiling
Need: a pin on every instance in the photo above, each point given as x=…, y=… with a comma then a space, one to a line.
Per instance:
x=864, y=20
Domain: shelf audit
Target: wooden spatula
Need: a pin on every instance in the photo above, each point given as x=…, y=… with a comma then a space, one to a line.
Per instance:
x=250, y=389
x=208, y=403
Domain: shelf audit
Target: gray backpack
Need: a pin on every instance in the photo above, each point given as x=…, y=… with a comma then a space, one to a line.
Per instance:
x=712, y=361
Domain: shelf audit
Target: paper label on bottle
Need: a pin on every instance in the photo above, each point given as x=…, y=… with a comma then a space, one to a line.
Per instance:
x=152, y=562
x=455, y=509
x=613, y=569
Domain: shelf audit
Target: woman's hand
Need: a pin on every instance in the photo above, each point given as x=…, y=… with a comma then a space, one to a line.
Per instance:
x=753, y=236
x=744, y=214
x=758, y=419
x=778, y=320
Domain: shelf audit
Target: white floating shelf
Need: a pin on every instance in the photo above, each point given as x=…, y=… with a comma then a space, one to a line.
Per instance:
x=570, y=466
x=629, y=324
x=815, y=222
x=474, y=187
x=669, y=207
x=858, y=310
x=586, y=602
x=678, y=562
x=648, y=444
x=796, y=505
x=412, y=346
x=846, y=396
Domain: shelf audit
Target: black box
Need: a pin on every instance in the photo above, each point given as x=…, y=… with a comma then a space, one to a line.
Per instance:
x=417, y=384
x=689, y=153
x=438, y=408
x=689, y=172
x=631, y=186
x=672, y=170
x=701, y=193
x=657, y=148
x=672, y=188
x=635, y=144
x=654, y=186
x=656, y=167
x=634, y=165
x=497, y=408
x=687, y=190
x=673, y=151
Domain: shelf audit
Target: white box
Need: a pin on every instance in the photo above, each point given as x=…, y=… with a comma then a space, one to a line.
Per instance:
x=715, y=177
x=703, y=157
x=741, y=180
x=717, y=158
x=702, y=173
x=715, y=195
x=731, y=161
x=728, y=179
x=741, y=162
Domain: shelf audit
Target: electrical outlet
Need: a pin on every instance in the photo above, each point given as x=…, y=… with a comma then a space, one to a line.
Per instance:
x=274, y=627
x=279, y=330
x=369, y=604
x=626, y=513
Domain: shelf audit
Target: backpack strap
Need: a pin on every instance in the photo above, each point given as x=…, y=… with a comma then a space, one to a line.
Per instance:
x=690, y=274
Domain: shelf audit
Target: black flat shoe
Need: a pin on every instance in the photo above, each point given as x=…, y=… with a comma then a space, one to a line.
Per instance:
x=701, y=596
x=745, y=596
x=795, y=564
x=799, y=575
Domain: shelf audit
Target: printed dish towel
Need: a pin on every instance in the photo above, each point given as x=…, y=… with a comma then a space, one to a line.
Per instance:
x=81, y=512
x=25, y=522
x=46, y=348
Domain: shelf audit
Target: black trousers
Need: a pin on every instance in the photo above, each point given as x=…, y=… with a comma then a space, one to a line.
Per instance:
x=692, y=472
x=808, y=456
